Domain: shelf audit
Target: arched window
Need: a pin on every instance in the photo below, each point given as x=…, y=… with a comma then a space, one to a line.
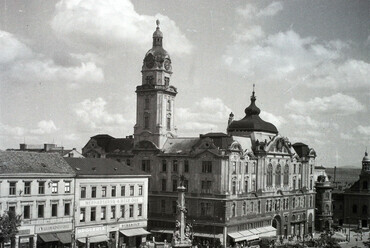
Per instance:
x=364, y=209
x=327, y=208
x=168, y=104
x=234, y=188
x=286, y=175
x=246, y=186
x=300, y=168
x=354, y=208
x=146, y=103
x=294, y=183
x=259, y=207
x=233, y=210
x=244, y=208
x=293, y=202
x=169, y=122
x=278, y=176
x=269, y=175
x=364, y=185
x=252, y=207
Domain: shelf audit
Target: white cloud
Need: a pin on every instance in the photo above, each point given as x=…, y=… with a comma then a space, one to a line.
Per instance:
x=93, y=113
x=250, y=11
x=113, y=23
x=288, y=58
x=44, y=127
x=307, y=121
x=278, y=121
x=338, y=104
x=208, y=114
x=21, y=64
x=7, y=130
x=363, y=130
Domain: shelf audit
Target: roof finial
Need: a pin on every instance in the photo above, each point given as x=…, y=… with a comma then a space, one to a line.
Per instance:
x=366, y=152
x=253, y=97
x=157, y=22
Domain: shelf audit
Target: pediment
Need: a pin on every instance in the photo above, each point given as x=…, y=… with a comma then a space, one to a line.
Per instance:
x=279, y=144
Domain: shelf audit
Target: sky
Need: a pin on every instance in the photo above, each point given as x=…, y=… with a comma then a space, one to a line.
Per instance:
x=69, y=69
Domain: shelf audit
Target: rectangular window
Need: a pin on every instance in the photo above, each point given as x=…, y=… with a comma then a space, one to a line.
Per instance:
x=234, y=167
x=67, y=187
x=140, y=189
x=54, y=188
x=206, y=166
x=54, y=210
x=113, y=191
x=132, y=190
x=104, y=191
x=83, y=192
x=103, y=213
x=67, y=207
x=93, y=214
x=246, y=186
x=123, y=190
x=174, y=166
x=93, y=192
x=168, y=123
x=174, y=207
x=122, y=210
x=112, y=212
x=145, y=165
x=82, y=214
x=11, y=209
x=27, y=188
x=186, y=185
x=26, y=212
x=41, y=188
x=164, y=184
x=246, y=168
x=186, y=166
x=174, y=185
x=140, y=210
x=12, y=188
x=128, y=162
x=40, y=211
x=164, y=165
x=131, y=211
x=206, y=187
x=163, y=206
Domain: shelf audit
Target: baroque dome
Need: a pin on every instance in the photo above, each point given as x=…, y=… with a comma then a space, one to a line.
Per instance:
x=252, y=122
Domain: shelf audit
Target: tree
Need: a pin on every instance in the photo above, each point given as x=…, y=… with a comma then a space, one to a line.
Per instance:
x=9, y=224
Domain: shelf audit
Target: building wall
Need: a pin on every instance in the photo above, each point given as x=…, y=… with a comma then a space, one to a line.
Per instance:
x=34, y=225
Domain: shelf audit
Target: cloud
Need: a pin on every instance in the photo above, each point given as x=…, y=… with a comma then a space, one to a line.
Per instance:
x=93, y=113
x=45, y=127
x=278, y=121
x=338, y=104
x=20, y=64
x=363, y=130
x=113, y=23
x=250, y=11
x=359, y=134
x=307, y=121
x=208, y=114
x=288, y=58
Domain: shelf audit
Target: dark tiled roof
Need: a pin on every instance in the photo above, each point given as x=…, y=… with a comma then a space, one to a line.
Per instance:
x=101, y=167
x=32, y=162
x=103, y=140
x=179, y=145
x=301, y=149
x=221, y=140
x=124, y=144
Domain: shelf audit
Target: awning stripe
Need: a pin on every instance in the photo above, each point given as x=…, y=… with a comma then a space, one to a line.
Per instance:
x=48, y=237
x=134, y=232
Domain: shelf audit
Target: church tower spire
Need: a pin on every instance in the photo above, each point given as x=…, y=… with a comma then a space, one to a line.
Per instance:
x=155, y=95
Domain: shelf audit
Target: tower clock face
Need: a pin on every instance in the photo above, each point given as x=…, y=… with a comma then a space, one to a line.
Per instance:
x=149, y=61
x=167, y=65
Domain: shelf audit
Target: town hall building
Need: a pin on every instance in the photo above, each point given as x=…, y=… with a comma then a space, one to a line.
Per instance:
x=247, y=183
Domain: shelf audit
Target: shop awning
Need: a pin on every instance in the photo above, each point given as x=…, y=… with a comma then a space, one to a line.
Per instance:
x=208, y=235
x=235, y=235
x=161, y=231
x=64, y=237
x=247, y=235
x=95, y=239
x=48, y=237
x=134, y=232
x=267, y=231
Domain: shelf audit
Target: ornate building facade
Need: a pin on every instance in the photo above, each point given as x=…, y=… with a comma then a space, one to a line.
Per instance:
x=351, y=206
x=242, y=185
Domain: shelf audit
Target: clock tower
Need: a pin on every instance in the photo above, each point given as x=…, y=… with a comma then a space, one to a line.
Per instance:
x=155, y=96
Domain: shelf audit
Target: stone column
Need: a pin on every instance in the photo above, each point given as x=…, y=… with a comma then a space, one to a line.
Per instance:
x=117, y=238
x=34, y=245
x=87, y=242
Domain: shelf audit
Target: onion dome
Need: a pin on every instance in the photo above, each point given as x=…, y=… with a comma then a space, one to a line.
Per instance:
x=157, y=57
x=252, y=122
x=366, y=158
x=366, y=163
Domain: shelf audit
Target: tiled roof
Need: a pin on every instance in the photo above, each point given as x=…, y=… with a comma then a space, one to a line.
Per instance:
x=101, y=167
x=179, y=145
x=221, y=140
x=103, y=140
x=12, y=162
x=123, y=144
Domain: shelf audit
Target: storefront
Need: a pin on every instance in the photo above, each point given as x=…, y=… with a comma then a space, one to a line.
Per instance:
x=58, y=235
x=251, y=236
x=25, y=237
x=132, y=234
x=94, y=236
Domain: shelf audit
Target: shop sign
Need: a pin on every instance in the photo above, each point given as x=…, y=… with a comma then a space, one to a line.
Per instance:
x=113, y=201
x=91, y=231
x=24, y=240
x=23, y=232
x=132, y=225
x=54, y=227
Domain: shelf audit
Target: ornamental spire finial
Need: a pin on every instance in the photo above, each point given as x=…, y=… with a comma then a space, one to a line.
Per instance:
x=253, y=97
x=157, y=22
